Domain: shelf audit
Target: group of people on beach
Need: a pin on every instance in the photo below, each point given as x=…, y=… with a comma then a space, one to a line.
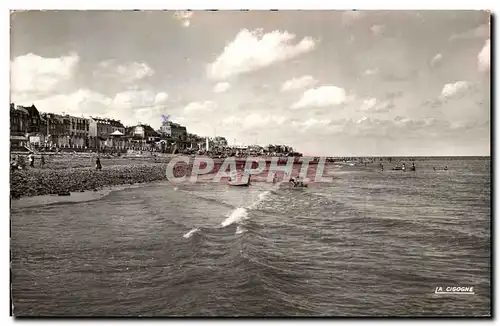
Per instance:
x=17, y=163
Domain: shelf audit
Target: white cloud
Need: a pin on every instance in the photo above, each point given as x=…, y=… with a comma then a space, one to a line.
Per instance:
x=253, y=50
x=34, y=77
x=221, y=87
x=372, y=105
x=197, y=107
x=436, y=59
x=483, y=58
x=129, y=72
x=368, y=104
x=139, y=99
x=377, y=29
x=298, y=83
x=161, y=97
x=184, y=17
x=312, y=123
x=321, y=96
x=83, y=101
x=455, y=88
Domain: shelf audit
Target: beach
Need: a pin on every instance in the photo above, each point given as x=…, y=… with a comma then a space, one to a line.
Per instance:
x=76, y=173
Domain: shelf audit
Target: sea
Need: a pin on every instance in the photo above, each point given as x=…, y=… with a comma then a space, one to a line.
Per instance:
x=369, y=243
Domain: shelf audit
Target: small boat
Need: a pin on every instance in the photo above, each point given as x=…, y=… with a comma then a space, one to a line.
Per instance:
x=397, y=168
x=298, y=184
x=246, y=184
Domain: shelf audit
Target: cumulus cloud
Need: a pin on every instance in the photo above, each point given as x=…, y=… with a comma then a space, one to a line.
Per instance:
x=368, y=104
x=482, y=31
x=184, y=17
x=321, y=96
x=311, y=123
x=221, y=87
x=298, y=83
x=374, y=106
x=34, y=77
x=253, y=50
x=129, y=72
x=198, y=107
x=454, y=89
x=483, y=58
x=139, y=99
x=436, y=59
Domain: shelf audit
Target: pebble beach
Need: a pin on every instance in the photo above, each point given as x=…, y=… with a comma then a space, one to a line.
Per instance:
x=73, y=173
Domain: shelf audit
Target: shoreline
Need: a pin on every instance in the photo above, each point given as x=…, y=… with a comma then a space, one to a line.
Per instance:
x=51, y=182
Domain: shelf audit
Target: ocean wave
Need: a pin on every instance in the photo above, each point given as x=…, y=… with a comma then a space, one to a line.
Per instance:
x=188, y=235
x=235, y=216
x=240, y=214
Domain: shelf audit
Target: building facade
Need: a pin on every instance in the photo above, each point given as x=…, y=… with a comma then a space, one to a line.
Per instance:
x=19, y=126
x=100, y=130
x=175, y=135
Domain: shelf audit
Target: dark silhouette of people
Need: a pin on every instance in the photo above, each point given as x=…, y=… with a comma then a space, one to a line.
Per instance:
x=98, y=165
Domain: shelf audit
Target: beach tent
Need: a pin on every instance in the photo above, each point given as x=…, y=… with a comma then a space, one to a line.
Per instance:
x=116, y=133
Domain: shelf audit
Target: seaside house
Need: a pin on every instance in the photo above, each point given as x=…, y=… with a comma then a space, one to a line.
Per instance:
x=19, y=126
x=25, y=125
x=142, y=137
x=100, y=130
x=79, y=131
x=56, y=130
x=174, y=134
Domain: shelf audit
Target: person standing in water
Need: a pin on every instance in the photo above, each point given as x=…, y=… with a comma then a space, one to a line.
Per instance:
x=381, y=167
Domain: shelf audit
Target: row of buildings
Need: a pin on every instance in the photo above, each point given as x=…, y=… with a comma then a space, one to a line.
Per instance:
x=31, y=128
x=34, y=130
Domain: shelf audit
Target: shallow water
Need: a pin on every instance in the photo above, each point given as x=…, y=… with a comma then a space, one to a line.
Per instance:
x=371, y=243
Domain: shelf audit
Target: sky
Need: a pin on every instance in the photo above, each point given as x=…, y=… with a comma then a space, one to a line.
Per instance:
x=336, y=83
